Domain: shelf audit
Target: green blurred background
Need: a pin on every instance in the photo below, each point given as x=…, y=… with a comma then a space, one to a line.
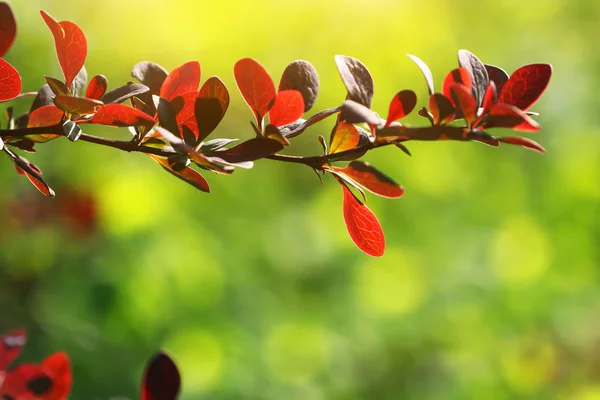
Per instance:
x=489, y=288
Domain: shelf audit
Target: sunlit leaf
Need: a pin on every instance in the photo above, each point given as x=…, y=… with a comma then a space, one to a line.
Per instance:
x=11, y=344
x=8, y=28
x=287, y=108
x=459, y=75
x=187, y=174
x=161, y=380
x=372, y=179
x=526, y=85
x=44, y=116
x=150, y=74
x=97, y=87
x=58, y=368
x=77, y=105
x=10, y=82
x=120, y=115
x=181, y=80
x=441, y=108
x=496, y=75
x=255, y=85
x=479, y=75
x=300, y=75
x=344, y=137
x=401, y=105
x=426, y=72
x=363, y=226
x=504, y=115
x=357, y=79
x=250, y=150
x=71, y=46
x=465, y=102
x=123, y=93
x=210, y=106
x=524, y=142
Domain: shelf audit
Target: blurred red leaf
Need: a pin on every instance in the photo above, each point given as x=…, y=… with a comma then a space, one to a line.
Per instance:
x=524, y=142
x=465, y=102
x=10, y=81
x=11, y=344
x=8, y=28
x=162, y=380
x=181, y=80
x=287, y=108
x=372, y=179
x=459, y=75
x=344, y=137
x=97, y=87
x=211, y=105
x=363, y=226
x=504, y=115
x=526, y=85
x=255, y=85
x=120, y=115
x=27, y=381
x=187, y=174
x=401, y=105
x=58, y=367
x=77, y=105
x=441, y=109
x=426, y=72
x=71, y=46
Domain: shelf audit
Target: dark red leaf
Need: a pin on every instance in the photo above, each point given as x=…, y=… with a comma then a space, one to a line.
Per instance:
x=301, y=76
x=97, y=87
x=187, y=174
x=10, y=81
x=256, y=86
x=161, y=380
x=57, y=87
x=250, y=150
x=524, y=142
x=479, y=75
x=401, y=105
x=426, y=72
x=120, y=115
x=287, y=108
x=181, y=80
x=33, y=173
x=441, y=109
x=211, y=105
x=504, y=115
x=77, y=105
x=372, y=179
x=526, y=85
x=357, y=79
x=185, y=116
x=125, y=92
x=8, y=28
x=363, y=226
x=150, y=74
x=58, y=367
x=11, y=344
x=71, y=46
x=496, y=75
x=356, y=113
x=458, y=75
x=465, y=102
x=489, y=99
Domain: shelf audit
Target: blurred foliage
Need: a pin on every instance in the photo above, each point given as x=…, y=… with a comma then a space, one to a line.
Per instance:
x=489, y=288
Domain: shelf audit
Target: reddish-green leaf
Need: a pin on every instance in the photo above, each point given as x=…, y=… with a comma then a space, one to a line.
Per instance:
x=10, y=81
x=357, y=79
x=465, y=102
x=524, y=142
x=497, y=75
x=249, y=150
x=255, y=85
x=344, y=137
x=426, y=72
x=77, y=105
x=526, y=85
x=161, y=380
x=458, y=75
x=11, y=344
x=301, y=76
x=150, y=74
x=372, y=179
x=187, y=174
x=504, y=115
x=8, y=28
x=363, y=226
x=287, y=108
x=441, y=109
x=479, y=75
x=71, y=46
x=97, y=87
x=211, y=105
x=181, y=80
x=120, y=115
x=401, y=105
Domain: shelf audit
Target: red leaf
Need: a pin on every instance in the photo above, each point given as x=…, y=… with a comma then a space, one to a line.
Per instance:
x=459, y=75
x=372, y=179
x=363, y=226
x=181, y=80
x=120, y=115
x=287, y=108
x=401, y=105
x=211, y=105
x=45, y=116
x=162, y=380
x=187, y=174
x=465, y=102
x=26, y=381
x=77, y=105
x=58, y=367
x=34, y=175
x=524, y=142
x=344, y=137
x=504, y=115
x=526, y=85
x=255, y=85
x=71, y=46
x=426, y=72
x=10, y=81
x=186, y=115
x=249, y=150
x=489, y=99
x=497, y=75
x=11, y=345
x=8, y=28
x=441, y=109
x=97, y=87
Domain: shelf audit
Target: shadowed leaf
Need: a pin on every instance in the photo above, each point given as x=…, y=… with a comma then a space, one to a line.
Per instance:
x=44, y=97
x=44, y=116
x=357, y=79
x=504, y=115
x=356, y=113
x=372, y=179
x=187, y=174
x=210, y=106
x=10, y=82
x=426, y=72
x=479, y=74
x=458, y=75
x=287, y=108
x=150, y=74
x=344, y=137
x=526, y=85
x=250, y=150
x=123, y=93
x=161, y=380
x=401, y=105
x=120, y=115
x=300, y=126
x=167, y=117
x=523, y=142
x=496, y=75
x=8, y=28
x=77, y=105
x=216, y=144
x=465, y=102
x=181, y=80
x=441, y=109
x=255, y=85
x=97, y=87
x=300, y=75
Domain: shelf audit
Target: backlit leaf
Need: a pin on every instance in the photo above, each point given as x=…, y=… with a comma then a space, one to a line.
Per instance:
x=401, y=105
x=465, y=102
x=161, y=380
x=524, y=142
x=255, y=85
x=8, y=28
x=363, y=226
x=10, y=82
x=71, y=46
x=287, y=108
x=504, y=115
x=300, y=75
x=250, y=150
x=479, y=74
x=77, y=105
x=150, y=74
x=185, y=118
x=33, y=173
x=357, y=79
x=44, y=116
x=26, y=381
x=210, y=106
x=58, y=367
x=123, y=93
x=120, y=115
x=181, y=80
x=372, y=179
x=97, y=87
x=344, y=137
x=426, y=72
x=489, y=99
x=496, y=75
x=11, y=344
x=441, y=109
x=526, y=85
x=459, y=75
x=187, y=174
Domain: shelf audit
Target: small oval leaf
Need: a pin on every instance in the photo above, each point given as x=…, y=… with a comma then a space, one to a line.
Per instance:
x=150, y=74
x=77, y=105
x=287, y=108
x=120, y=115
x=125, y=92
x=465, y=102
x=357, y=79
x=441, y=109
x=372, y=179
x=526, y=85
x=97, y=87
x=401, y=105
x=255, y=85
x=479, y=74
x=496, y=75
x=210, y=106
x=300, y=75
x=10, y=84
x=181, y=80
x=162, y=380
x=344, y=137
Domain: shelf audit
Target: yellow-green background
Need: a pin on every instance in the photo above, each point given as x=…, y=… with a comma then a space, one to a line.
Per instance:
x=489, y=287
